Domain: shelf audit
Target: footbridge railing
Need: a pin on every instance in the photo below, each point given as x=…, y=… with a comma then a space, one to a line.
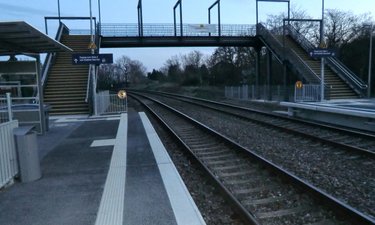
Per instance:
x=336, y=65
x=168, y=30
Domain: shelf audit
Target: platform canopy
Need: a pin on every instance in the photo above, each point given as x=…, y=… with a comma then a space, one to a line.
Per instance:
x=20, y=37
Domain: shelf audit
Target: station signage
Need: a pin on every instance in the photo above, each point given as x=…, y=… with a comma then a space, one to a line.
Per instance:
x=322, y=53
x=84, y=59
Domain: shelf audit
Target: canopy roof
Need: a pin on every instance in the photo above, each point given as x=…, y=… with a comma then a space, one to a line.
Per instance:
x=20, y=37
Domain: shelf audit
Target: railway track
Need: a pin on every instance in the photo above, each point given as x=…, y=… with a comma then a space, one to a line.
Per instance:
x=362, y=143
x=263, y=192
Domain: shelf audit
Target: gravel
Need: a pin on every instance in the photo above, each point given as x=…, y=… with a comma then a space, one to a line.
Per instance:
x=351, y=181
x=214, y=209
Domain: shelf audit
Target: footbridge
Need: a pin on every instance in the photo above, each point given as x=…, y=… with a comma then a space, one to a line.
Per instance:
x=291, y=49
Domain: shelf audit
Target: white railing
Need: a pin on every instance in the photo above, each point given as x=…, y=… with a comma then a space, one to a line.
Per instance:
x=307, y=93
x=251, y=92
x=8, y=156
x=5, y=109
x=107, y=103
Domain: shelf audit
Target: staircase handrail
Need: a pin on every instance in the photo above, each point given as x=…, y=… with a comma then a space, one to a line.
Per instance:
x=292, y=55
x=63, y=29
x=316, y=77
x=338, y=66
x=345, y=73
x=299, y=38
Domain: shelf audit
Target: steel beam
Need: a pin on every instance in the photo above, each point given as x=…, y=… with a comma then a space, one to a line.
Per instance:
x=129, y=42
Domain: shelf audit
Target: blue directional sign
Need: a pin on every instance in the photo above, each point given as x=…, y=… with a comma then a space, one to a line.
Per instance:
x=84, y=59
x=322, y=52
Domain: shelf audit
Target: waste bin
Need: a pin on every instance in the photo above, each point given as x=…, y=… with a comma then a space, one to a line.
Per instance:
x=27, y=151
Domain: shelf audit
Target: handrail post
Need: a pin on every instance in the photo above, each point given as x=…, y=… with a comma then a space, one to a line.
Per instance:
x=45, y=25
x=178, y=3
x=218, y=15
x=100, y=16
x=174, y=22
x=181, y=28
x=140, y=18
x=58, y=9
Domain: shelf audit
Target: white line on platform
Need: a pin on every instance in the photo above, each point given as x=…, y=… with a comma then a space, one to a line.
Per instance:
x=101, y=143
x=111, y=207
x=184, y=208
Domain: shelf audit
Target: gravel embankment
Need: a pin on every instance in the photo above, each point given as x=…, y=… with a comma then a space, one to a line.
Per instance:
x=351, y=181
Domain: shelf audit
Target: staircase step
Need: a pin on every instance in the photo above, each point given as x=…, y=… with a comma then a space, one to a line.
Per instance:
x=68, y=109
x=59, y=92
x=66, y=99
x=69, y=106
x=54, y=86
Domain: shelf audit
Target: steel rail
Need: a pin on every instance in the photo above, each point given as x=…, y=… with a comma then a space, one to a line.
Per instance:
x=244, y=214
x=345, y=146
x=346, y=211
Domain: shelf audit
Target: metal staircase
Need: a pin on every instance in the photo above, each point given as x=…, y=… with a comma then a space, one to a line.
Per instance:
x=340, y=82
x=338, y=89
x=66, y=85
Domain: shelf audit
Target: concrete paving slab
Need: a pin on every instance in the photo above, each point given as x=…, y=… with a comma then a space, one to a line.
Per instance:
x=73, y=176
x=146, y=200
x=183, y=205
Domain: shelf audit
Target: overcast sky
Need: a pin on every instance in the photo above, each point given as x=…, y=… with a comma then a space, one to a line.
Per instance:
x=161, y=11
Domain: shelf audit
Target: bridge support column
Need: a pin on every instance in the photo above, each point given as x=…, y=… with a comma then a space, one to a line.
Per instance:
x=269, y=75
x=285, y=81
x=257, y=72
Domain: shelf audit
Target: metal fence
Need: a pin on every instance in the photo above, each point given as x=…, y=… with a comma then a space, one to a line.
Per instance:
x=251, y=92
x=107, y=103
x=8, y=155
x=307, y=93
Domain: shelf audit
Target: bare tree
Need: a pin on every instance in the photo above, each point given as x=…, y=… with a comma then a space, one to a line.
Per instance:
x=194, y=58
x=223, y=54
x=275, y=22
x=130, y=70
x=172, y=68
x=342, y=27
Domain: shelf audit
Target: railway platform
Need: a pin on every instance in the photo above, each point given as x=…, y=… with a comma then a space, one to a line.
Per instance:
x=104, y=170
x=354, y=113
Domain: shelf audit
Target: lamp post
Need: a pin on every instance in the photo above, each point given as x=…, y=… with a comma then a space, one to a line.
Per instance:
x=322, y=59
x=91, y=33
x=370, y=63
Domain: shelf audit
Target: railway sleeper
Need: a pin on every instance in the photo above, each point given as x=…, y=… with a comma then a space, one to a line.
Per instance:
x=205, y=152
x=216, y=157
